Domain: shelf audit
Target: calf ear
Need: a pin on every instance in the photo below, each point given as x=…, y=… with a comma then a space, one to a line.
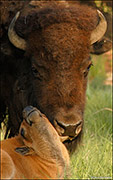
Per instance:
x=101, y=46
x=24, y=150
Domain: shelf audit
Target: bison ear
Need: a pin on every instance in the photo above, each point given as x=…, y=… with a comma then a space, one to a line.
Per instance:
x=24, y=150
x=101, y=46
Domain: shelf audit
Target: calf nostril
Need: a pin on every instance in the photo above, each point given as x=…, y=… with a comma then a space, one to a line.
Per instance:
x=28, y=110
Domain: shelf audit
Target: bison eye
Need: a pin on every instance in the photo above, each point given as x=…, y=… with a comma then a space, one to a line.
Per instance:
x=87, y=70
x=34, y=70
x=35, y=73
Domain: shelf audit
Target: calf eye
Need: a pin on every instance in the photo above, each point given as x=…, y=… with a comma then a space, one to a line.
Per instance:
x=22, y=132
x=87, y=70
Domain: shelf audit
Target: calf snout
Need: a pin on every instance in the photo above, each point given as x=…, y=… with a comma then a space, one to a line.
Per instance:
x=30, y=114
x=28, y=110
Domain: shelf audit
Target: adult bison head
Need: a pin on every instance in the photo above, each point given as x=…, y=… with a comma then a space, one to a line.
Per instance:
x=56, y=39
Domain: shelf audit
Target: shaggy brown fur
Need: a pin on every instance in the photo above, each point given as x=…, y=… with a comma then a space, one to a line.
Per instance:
x=54, y=13
x=36, y=152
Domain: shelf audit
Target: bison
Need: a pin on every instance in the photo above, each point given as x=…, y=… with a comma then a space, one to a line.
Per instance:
x=37, y=148
x=45, y=61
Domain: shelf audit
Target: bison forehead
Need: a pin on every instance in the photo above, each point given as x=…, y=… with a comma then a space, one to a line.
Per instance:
x=65, y=39
x=31, y=19
x=63, y=46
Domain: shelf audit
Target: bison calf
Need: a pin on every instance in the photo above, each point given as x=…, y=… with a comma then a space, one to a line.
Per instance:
x=37, y=152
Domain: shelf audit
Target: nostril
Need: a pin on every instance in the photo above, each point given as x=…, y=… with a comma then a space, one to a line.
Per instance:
x=27, y=112
x=78, y=123
x=78, y=127
x=59, y=127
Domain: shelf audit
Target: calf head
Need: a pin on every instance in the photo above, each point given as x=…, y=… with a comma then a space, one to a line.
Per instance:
x=39, y=136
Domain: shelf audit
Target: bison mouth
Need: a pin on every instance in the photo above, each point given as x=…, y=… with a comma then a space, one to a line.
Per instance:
x=67, y=139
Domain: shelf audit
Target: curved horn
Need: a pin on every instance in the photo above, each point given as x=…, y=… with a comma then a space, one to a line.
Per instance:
x=100, y=30
x=13, y=37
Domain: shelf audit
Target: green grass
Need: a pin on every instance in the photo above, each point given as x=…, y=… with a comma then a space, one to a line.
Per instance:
x=3, y=129
x=93, y=159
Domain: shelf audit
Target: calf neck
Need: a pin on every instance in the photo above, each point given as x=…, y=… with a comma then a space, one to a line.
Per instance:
x=37, y=152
